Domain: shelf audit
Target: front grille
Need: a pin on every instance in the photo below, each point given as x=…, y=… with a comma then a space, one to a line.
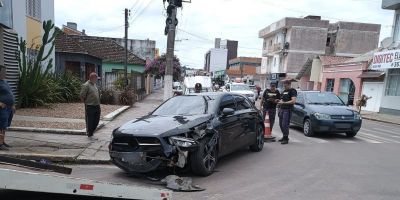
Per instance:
x=342, y=117
x=127, y=143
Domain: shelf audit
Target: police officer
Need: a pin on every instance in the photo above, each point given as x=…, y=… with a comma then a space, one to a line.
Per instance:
x=269, y=101
x=288, y=98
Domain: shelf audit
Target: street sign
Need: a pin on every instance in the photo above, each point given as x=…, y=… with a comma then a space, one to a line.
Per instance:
x=386, y=60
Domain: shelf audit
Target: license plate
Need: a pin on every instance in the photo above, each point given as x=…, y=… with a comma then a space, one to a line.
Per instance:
x=342, y=125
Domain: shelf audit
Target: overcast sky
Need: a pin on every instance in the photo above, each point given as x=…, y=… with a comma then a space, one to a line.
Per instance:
x=203, y=20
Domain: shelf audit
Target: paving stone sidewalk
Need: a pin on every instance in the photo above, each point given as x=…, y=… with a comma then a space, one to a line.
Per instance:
x=393, y=119
x=76, y=148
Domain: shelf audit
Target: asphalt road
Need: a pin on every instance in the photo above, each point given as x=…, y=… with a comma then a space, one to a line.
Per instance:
x=324, y=167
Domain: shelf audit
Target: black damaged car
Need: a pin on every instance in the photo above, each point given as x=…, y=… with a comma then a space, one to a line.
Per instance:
x=188, y=131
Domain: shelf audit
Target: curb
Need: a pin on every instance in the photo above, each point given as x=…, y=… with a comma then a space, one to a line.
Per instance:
x=379, y=120
x=115, y=113
x=54, y=130
x=56, y=158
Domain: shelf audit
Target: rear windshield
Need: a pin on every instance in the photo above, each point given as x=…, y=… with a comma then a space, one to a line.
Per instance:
x=239, y=87
x=323, y=98
x=183, y=105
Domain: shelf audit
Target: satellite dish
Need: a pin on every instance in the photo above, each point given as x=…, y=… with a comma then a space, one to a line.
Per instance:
x=387, y=42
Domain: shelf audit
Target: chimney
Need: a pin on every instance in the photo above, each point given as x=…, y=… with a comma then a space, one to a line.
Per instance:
x=72, y=25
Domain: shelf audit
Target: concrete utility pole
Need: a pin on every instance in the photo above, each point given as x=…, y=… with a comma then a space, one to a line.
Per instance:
x=168, y=78
x=127, y=12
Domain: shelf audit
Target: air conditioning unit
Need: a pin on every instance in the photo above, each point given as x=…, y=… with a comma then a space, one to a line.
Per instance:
x=8, y=57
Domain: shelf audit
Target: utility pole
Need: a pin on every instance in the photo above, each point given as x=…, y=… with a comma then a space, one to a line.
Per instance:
x=171, y=23
x=127, y=12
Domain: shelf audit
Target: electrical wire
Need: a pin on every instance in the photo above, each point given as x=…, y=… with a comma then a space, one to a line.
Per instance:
x=141, y=12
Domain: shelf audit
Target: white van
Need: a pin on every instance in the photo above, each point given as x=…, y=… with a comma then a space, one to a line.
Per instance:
x=190, y=81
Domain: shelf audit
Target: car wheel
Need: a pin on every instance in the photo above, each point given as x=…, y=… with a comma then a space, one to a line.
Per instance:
x=204, y=159
x=259, y=144
x=307, y=128
x=351, y=133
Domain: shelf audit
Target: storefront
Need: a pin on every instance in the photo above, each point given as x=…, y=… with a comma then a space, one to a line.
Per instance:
x=390, y=62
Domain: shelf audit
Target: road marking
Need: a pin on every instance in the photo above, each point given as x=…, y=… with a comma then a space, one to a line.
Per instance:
x=386, y=131
x=317, y=140
x=367, y=140
x=377, y=138
x=346, y=141
x=372, y=134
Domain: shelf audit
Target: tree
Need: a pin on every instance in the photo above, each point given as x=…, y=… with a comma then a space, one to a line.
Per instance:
x=157, y=67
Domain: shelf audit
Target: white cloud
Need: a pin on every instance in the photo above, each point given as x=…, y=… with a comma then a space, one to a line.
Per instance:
x=228, y=19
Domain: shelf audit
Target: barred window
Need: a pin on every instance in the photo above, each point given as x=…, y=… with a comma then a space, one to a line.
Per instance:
x=393, y=83
x=33, y=9
x=330, y=85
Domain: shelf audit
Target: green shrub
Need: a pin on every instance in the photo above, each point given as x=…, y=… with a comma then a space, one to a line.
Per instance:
x=69, y=86
x=119, y=84
x=126, y=97
x=107, y=96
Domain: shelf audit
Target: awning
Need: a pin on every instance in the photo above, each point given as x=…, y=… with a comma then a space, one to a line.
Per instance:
x=371, y=74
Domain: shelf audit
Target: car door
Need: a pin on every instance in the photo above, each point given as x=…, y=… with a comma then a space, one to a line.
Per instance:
x=246, y=116
x=229, y=125
x=298, y=110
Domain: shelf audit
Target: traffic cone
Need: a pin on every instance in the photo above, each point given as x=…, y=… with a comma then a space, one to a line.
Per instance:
x=267, y=130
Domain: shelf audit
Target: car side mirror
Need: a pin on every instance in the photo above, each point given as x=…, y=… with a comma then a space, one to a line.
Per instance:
x=228, y=111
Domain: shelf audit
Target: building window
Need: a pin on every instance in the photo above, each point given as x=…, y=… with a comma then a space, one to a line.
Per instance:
x=393, y=83
x=330, y=84
x=6, y=13
x=33, y=9
x=396, y=32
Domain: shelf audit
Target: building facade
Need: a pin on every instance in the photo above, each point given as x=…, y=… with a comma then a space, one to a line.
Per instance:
x=215, y=60
x=23, y=19
x=230, y=45
x=244, y=68
x=289, y=43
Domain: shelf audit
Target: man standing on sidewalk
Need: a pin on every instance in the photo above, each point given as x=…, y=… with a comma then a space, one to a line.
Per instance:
x=269, y=101
x=7, y=107
x=91, y=97
x=288, y=98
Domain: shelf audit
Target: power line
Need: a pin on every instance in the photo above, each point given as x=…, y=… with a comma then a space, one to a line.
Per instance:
x=135, y=4
x=140, y=12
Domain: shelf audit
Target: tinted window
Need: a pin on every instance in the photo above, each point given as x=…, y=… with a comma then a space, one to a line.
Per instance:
x=227, y=102
x=323, y=98
x=182, y=105
x=300, y=98
x=242, y=103
x=239, y=87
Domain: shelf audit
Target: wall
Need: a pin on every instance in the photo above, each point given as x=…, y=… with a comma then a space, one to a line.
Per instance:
x=19, y=18
x=307, y=39
x=108, y=67
x=47, y=13
x=389, y=104
x=33, y=36
x=218, y=59
x=337, y=72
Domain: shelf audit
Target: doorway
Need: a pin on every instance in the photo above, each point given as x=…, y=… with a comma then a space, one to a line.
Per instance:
x=347, y=90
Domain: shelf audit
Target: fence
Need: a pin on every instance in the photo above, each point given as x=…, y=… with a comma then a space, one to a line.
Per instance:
x=136, y=83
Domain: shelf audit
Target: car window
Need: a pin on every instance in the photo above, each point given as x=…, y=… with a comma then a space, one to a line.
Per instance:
x=300, y=98
x=239, y=87
x=182, y=105
x=227, y=102
x=242, y=103
x=323, y=98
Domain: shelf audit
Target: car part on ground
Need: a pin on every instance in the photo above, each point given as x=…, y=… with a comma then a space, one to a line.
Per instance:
x=183, y=184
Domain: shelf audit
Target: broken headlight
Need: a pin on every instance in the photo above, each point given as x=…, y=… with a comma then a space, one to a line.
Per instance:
x=182, y=141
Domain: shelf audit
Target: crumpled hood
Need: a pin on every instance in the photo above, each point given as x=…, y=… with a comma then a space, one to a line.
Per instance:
x=162, y=126
x=332, y=110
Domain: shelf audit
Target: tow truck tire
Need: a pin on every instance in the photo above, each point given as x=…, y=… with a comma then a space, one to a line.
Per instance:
x=203, y=163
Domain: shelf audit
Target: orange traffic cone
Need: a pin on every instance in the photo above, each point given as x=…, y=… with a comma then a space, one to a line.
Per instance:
x=267, y=130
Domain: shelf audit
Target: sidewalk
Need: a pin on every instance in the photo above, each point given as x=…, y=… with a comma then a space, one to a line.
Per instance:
x=76, y=148
x=393, y=119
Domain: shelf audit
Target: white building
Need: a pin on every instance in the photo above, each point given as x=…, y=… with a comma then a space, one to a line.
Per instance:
x=22, y=18
x=216, y=60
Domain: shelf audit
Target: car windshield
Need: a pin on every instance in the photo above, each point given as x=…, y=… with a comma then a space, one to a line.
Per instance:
x=323, y=98
x=183, y=105
x=239, y=87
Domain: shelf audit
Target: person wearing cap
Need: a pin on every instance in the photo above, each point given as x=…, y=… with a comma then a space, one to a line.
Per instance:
x=90, y=95
x=197, y=88
x=286, y=104
x=7, y=107
x=268, y=103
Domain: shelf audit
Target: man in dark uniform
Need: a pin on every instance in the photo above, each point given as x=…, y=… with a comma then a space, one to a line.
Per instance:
x=288, y=98
x=269, y=101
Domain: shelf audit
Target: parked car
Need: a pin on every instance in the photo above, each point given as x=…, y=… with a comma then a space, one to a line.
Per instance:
x=241, y=88
x=324, y=112
x=188, y=130
x=254, y=89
